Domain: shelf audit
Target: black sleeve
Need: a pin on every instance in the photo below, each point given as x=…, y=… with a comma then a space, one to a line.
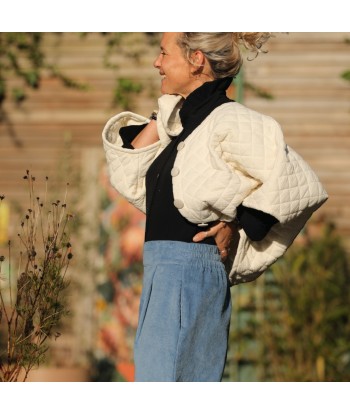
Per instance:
x=128, y=134
x=255, y=223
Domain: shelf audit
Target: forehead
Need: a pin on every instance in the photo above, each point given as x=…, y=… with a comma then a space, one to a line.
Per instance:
x=169, y=40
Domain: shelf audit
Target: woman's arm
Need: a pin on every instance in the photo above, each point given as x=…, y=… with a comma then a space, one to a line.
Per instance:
x=148, y=136
x=255, y=223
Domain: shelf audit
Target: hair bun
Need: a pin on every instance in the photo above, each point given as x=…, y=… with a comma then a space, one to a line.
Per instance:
x=252, y=41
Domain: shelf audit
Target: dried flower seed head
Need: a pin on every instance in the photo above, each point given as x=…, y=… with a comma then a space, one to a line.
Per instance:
x=38, y=294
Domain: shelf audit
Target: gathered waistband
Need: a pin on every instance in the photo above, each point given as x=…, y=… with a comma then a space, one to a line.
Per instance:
x=177, y=251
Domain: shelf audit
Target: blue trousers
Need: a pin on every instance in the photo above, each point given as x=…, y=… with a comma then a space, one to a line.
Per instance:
x=184, y=314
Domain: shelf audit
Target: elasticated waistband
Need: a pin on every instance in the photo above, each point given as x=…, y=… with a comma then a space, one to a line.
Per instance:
x=178, y=252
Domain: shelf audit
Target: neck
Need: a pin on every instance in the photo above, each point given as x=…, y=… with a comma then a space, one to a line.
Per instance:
x=200, y=79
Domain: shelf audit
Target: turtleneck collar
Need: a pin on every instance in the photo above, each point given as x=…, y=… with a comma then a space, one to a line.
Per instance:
x=199, y=99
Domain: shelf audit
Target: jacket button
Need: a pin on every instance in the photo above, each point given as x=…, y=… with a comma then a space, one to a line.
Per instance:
x=178, y=203
x=175, y=171
x=180, y=146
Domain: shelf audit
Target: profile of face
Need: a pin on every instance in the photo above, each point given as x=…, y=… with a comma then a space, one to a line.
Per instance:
x=176, y=72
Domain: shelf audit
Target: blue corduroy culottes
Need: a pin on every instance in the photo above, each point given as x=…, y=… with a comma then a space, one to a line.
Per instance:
x=184, y=315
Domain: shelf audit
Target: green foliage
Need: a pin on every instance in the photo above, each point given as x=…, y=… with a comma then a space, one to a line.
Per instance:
x=305, y=330
x=346, y=75
x=259, y=92
x=132, y=46
x=124, y=92
x=35, y=304
x=293, y=323
x=22, y=57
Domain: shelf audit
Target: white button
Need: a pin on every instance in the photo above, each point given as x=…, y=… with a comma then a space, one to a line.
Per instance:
x=202, y=225
x=180, y=146
x=178, y=203
x=175, y=171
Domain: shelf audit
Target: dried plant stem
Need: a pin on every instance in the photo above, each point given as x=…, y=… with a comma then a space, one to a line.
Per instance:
x=10, y=282
x=37, y=307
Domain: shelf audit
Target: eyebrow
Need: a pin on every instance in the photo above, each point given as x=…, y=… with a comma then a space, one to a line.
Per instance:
x=163, y=49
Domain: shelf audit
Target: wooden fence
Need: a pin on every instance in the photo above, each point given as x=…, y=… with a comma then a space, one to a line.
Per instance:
x=52, y=132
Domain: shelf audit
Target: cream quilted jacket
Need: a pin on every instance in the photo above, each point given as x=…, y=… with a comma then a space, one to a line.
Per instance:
x=235, y=156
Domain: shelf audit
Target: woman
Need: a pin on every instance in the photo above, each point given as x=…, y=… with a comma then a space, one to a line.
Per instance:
x=224, y=197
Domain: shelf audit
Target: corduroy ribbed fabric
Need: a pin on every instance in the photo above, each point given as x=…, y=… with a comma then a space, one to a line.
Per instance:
x=184, y=314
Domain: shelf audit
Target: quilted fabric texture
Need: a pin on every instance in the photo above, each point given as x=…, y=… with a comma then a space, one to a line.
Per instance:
x=235, y=156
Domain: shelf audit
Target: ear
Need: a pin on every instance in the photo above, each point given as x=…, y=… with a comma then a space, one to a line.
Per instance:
x=198, y=59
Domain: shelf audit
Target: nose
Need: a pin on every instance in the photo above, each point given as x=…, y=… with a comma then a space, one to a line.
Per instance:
x=157, y=61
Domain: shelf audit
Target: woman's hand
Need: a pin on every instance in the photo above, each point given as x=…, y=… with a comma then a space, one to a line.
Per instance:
x=222, y=232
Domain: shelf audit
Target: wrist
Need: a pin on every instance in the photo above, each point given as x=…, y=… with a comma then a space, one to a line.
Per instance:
x=236, y=223
x=153, y=116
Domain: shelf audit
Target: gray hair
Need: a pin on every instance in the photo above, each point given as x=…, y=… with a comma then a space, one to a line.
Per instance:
x=222, y=50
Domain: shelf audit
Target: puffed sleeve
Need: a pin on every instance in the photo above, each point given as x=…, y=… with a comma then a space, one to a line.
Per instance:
x=127, y=167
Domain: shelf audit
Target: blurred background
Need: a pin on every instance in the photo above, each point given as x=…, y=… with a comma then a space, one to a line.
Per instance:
x=57, y=91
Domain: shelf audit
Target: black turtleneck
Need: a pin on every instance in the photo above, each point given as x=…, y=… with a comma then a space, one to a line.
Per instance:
x=163, y=219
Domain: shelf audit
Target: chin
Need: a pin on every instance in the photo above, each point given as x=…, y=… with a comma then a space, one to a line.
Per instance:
x=164, y=89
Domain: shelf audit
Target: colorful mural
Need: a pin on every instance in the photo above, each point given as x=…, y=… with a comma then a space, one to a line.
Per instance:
x=122, y=238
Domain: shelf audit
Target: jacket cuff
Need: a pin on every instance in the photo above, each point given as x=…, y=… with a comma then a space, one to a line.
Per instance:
x=255, y=223
x=129, y=133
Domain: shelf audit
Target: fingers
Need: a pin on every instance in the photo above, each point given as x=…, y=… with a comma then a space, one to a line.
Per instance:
x=213, y=231
x=210, y=232
x=222, y=238
x=200, y=236
x=224, y=253
x=206, y=234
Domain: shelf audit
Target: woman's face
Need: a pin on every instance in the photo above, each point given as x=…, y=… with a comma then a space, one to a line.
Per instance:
x=174, y=68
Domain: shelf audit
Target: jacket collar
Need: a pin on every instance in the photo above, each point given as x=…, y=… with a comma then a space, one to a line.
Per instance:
x=201, y=97
x=176, y=112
